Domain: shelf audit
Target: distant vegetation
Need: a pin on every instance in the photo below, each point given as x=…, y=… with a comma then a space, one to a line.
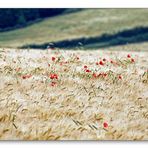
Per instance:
x=10, y=18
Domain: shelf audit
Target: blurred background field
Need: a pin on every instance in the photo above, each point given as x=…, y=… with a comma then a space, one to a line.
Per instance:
x=69, y=28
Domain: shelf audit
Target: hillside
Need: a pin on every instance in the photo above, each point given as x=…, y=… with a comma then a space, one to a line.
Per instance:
x=86, y=23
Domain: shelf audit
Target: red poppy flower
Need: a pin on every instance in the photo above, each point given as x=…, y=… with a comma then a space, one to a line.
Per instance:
x=87, y=70
x=104, y=74
x=53, y=58
x=97, y=63
x=120, y=77
x=132, y=60
x=24, y=77
x=53, y=76
x=129, y=56
x=85, y=66
x=101, y=63
x=94, y=75
x=105, y=125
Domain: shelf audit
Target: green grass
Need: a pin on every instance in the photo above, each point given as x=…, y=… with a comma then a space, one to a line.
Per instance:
x=86, y=23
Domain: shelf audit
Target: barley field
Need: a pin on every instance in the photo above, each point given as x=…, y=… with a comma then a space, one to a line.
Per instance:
x=73, y=95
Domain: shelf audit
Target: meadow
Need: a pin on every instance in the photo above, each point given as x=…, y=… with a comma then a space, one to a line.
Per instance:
x=85, y=23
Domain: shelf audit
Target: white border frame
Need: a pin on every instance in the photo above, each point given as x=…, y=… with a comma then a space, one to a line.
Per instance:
x=74, y=144
x=74, y=3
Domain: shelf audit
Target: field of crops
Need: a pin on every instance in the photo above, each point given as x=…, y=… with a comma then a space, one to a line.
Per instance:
x=73, y=95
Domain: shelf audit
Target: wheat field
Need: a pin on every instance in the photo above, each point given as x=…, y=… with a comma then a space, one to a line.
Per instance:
x=73, y=95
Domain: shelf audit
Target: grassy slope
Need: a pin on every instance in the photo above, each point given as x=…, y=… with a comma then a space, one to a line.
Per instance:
x=89, y=22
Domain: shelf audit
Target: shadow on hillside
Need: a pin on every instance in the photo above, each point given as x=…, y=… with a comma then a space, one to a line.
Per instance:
x=134, y=35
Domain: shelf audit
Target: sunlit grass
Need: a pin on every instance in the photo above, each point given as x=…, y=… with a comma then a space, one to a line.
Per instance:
x=86, y=23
